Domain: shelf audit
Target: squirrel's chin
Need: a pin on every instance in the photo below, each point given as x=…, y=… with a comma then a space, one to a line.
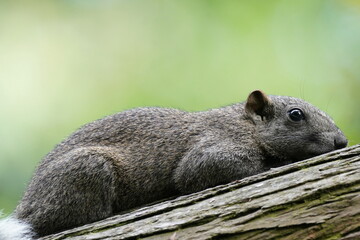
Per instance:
x=317, y=151
x=310, y=152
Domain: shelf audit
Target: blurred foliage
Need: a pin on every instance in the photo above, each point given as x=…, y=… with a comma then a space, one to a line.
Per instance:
x=65, y=63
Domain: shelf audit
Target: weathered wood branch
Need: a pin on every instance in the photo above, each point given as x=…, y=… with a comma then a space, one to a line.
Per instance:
x=318, y=198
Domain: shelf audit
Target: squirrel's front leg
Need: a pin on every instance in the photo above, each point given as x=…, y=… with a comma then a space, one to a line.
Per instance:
x=207, y=165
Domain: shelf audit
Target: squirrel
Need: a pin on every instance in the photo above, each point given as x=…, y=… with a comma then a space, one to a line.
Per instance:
x=147, y=154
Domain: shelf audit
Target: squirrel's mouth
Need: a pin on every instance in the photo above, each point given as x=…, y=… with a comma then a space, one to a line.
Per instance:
x=320, y=143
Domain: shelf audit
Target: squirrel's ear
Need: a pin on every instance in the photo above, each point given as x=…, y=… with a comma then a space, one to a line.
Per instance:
x=259, y=103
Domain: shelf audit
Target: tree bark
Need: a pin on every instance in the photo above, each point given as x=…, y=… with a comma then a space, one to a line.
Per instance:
x=318, y=198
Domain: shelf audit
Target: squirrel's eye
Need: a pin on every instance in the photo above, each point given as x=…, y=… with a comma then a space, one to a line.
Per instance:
x=296, y=115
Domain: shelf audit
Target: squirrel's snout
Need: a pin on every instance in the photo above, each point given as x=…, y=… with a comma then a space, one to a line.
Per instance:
x=340, y=141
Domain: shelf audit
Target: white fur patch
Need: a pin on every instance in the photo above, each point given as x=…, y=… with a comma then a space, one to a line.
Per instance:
x=14, y=229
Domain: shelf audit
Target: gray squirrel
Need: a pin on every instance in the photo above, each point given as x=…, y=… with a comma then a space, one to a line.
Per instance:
x=144, y=155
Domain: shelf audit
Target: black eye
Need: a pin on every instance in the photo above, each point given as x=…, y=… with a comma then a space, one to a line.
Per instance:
x=296, y=115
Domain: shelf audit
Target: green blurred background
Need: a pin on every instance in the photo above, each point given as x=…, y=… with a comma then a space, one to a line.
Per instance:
x=65, y=63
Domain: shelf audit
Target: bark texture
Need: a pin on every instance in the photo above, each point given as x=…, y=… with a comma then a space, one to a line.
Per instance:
x=318, y=198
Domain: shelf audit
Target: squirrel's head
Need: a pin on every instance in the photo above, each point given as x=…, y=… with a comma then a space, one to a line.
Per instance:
x=292, y=129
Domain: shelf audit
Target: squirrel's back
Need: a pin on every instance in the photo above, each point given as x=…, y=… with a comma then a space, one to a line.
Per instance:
x=157, y=129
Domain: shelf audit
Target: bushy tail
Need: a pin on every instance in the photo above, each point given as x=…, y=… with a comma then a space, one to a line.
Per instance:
x=14, y=229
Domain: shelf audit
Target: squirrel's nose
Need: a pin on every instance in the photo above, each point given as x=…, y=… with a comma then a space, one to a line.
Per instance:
x=340, y=141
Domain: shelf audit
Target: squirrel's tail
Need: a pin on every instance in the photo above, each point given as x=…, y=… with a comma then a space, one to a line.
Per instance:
x=14, y=229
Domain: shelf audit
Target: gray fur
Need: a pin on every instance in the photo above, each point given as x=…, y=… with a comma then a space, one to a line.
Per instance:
x=147, y=154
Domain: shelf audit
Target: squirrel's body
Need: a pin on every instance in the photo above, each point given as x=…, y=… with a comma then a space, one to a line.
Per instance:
x=147, y=154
